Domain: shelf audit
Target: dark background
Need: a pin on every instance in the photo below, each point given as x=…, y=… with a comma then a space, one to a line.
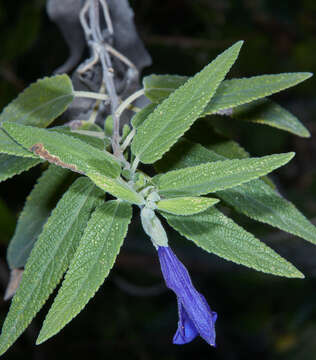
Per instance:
x=132, y=316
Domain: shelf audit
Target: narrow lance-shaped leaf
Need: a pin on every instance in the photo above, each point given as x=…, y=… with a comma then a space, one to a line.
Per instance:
x=241, y=91
x=171, y=119
x=255, y=199
x=85, y=133
x=186, y=205
x=217, y=234
x=142, y=115
x=38, y=105
x=9, y=146
x=50, y=257
x=13, y=165
x=117, y=187
x=215, y=176
x=38, y=206
x=91, y=264
x=269, y=113
x=232, y=94
x=65, y=151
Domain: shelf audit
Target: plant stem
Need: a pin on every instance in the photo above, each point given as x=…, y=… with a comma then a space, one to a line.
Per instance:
x=128, y=101
x=91, y=95
x=128, y=140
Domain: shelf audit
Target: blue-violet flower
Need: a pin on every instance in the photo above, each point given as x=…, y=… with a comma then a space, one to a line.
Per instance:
x=195, y=315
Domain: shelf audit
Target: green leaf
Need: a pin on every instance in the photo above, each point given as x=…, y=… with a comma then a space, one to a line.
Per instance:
x=159, y=87
x=10, y=147
x=171, y=119
x=267, y=112
x=215, y=176
x=142, y=115
x=217, y=234
x=88, y=139
x=241, y=91
x=186, y=205
x=39, y=204
x=91, y=265
x=38, y=105
x=230, y=93
x=41, y=103
x=63, y=150
x=117, y=187
x=70, y=153
x=50, y=257
x=255, y=199
x=13, y=165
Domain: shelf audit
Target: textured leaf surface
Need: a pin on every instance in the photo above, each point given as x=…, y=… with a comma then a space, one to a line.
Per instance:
x=10, y=147
x=50, y=257
x=63, y=150
x=90, y=140
x=38, y=206
x=13, y=165
x=173, y=117
x=215, y=176
x=73, y=154
x=241, y=91
x=255, y=199
x=216, y=233
x=230, y=93
x=186, y=205
x=267, y=112
x=91, y=264
x=159, y=87
x=117, y=187
x=142, y=115
x=41, y=103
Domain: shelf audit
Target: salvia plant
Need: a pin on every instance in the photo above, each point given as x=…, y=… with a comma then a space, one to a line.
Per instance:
x=171, y=170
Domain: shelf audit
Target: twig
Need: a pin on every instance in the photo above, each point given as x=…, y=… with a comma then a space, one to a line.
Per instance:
x=91, y=95
x=128, y=140
x=128, y=101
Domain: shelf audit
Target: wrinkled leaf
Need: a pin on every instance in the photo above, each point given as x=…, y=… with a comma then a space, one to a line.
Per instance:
x=117, y=187
x=267, y=112
x=41, y=103
x=142, y=115
x=39, y=204
x=231, y=94
x=255, y=199
x=186, y=205
x=63, y=150
x=13, y=165
x=217, y=234
x=215, y=176
x=172, y=118
x=91, y=265
x=50, y=257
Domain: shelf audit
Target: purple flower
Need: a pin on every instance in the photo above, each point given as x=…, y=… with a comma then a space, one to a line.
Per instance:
x=195, y=315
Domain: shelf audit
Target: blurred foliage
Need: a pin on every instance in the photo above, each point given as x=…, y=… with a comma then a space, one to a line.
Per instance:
x=260, y=316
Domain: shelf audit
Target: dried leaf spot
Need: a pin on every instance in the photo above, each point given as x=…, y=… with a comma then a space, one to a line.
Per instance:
x=40, y=150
